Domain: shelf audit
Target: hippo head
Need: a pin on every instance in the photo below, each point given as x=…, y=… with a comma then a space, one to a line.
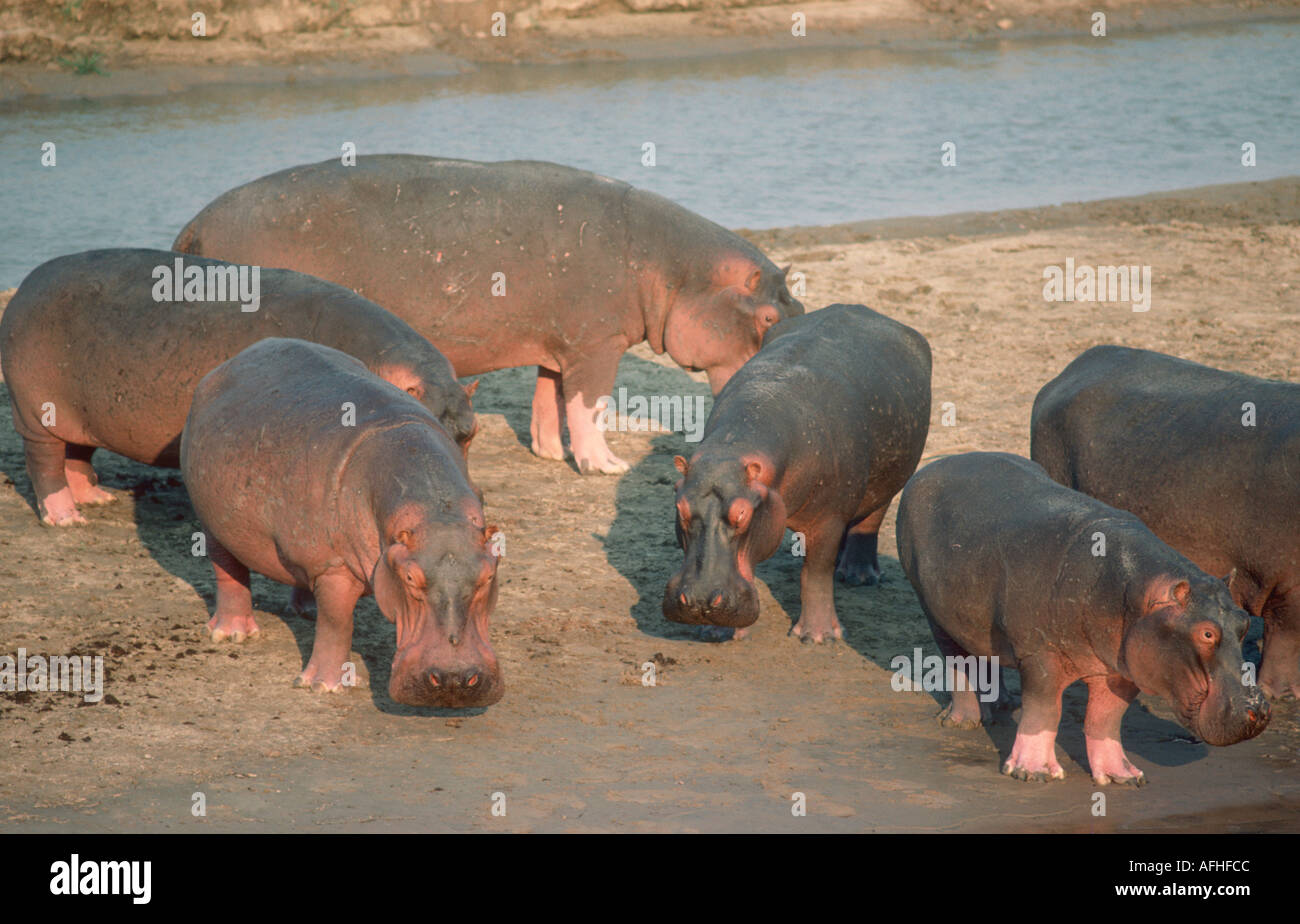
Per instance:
x=453, y=408
x=451, y=404
x=1186, y=647
x=719, y=315
x=729, y=518
x=436, y=579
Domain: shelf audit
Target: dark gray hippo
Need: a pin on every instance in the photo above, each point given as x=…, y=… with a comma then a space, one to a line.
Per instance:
x=94, y=359
x=1209, y=459
x=817, y=433
x=1005, y=562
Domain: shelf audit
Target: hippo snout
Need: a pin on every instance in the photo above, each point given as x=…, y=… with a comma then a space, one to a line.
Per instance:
x=733, y=604
x=1232, y=717
x=455, y=678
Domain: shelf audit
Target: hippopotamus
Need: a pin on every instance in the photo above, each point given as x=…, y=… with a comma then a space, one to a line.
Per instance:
x=1209, y=459
x=513, y=264
x=1008, y=564
x=95, y=359
x=306, y=468
x=817, y=432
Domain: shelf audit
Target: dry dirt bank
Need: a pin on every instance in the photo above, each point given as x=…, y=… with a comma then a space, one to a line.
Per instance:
x=732, y=730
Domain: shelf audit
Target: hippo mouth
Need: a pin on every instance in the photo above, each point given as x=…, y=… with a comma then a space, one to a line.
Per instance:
x=734, y=609
x=1219, y=721
x=459, y=687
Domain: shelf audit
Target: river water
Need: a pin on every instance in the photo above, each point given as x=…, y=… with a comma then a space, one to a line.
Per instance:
x=758, y=140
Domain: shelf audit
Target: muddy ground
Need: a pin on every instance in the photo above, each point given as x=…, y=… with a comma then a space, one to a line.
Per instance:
x=731, y=730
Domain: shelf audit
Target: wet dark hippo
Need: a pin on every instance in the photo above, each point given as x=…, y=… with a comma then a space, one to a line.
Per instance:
x=1004, y=562
x=515, y=264
x=286, y=487
x=1166, y=439
x=817, y=432
x=94, y=361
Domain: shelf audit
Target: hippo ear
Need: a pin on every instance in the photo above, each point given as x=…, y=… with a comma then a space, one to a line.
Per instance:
x=739, y=272
x=785, y=271
x=682, y=465
x=757, y=469
x=403, y=565
x=471, y=388
x=1168, y=591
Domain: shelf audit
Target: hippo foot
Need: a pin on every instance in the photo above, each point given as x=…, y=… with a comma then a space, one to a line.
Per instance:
x=817, y=634
x=59, y=509
x=93, y=495
x=952, y=717
x=1280, y=689
x=606, y=464
x=1033, y=758
x=320, y=681
x=857, y=574
x=235, y=627
x=555, y=453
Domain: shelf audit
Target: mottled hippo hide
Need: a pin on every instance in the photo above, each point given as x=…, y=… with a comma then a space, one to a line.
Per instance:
x=93, y=360
x=306, y=468
x=1210, y=460
x=515, y=264
x=817, y=433
x=1005, y=562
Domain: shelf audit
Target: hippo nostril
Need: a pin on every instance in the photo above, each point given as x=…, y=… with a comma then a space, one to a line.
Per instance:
x=472, y=680
x=682, y=597
x=433, y=678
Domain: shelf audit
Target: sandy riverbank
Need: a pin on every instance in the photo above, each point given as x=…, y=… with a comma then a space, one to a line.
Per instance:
x=145, y=47
x=732, y=729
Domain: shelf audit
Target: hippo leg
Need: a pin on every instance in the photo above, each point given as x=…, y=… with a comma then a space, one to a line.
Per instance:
x=337, y=594
x=964, y=711
x=302, y=603
x=548, y=415
x=1033, y=756
x=817, y=619
x=233, y=618
x=45, y=466
x=858, y=563
x=82, y=478
x=1279, y=675
x=1108, y=699
x=583, y=385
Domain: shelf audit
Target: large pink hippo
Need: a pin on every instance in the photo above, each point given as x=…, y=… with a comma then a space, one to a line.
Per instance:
x=514, y=264
x=305, y=467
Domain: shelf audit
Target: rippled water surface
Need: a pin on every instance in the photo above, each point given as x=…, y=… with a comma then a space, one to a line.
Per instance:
x=759, y=140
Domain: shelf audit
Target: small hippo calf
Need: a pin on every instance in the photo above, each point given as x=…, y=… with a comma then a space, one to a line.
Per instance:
x=1009, y=564
x=817, y=432
x=95, y=360
x=306, y=468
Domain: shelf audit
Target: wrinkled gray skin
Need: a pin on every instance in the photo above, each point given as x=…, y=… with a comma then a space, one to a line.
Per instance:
x=517, y=263
x=1003, y=561
x=85, y=339
x=287, y=484
x=1164, y=438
